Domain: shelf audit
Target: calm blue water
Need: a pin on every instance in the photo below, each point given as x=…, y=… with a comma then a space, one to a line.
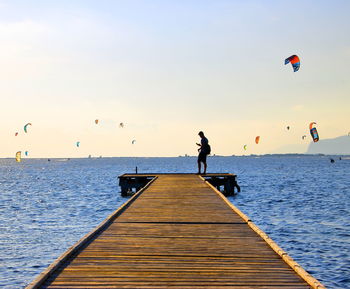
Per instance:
x=303, y=203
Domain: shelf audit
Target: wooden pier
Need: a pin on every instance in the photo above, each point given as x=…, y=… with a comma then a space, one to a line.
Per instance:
x=224, y=182
x=178, y=231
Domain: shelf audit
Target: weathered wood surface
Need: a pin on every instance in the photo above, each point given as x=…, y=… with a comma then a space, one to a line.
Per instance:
x=178, y=233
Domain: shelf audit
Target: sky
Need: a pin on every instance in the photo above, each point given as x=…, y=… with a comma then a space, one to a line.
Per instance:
x=168, y=69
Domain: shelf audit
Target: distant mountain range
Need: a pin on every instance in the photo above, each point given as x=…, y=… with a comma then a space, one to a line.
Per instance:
x=333, y=146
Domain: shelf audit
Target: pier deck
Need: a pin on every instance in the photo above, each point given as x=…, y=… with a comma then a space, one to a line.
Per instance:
x=178, y=232
x=224, y=182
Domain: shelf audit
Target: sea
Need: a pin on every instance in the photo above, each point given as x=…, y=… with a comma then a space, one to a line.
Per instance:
x=301, y=202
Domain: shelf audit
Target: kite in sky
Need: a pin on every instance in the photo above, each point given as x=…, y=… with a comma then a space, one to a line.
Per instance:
x=16, y=134
x=18, y=156
x=25, y=127
x=78, y=143
x=257, y=139
x=295, y=61
x=303, y=137
x=133, y=141
x=96, y=121
x=121, y=125
x=245, y=147
x=313, y=132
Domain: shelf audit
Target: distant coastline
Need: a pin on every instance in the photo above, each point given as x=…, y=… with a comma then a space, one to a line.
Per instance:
x=277, y=155
x=62, y=159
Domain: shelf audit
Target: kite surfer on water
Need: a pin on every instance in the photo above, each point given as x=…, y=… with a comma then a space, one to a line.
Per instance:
x=204, y=150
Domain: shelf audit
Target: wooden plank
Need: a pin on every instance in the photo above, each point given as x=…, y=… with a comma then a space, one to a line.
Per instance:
x=179, y=233
x=313, y=282
x=72, y=251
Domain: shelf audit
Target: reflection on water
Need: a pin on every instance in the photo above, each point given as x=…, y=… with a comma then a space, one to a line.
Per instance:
x=301, y=202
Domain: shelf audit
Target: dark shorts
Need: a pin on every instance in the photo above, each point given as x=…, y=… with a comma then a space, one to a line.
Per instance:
x=202, y=157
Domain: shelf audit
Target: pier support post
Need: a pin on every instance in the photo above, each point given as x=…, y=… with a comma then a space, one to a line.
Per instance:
x=133, y=183
x=230, y=185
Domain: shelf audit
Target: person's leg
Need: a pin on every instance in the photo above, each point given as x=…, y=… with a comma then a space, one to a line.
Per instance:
x=199, y=166
x=204, y=161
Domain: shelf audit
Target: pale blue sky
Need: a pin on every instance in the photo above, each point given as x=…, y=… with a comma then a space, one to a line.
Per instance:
x=169, y=69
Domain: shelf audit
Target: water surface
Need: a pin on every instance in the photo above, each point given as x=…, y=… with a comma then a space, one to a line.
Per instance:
x=301, y=202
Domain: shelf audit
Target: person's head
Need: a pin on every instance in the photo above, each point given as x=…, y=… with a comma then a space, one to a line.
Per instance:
x=201, y=134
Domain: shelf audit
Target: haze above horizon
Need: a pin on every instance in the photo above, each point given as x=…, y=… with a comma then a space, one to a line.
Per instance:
x=168, y=69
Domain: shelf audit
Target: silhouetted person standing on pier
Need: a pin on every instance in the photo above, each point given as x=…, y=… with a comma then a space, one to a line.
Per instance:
x=204, y=150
